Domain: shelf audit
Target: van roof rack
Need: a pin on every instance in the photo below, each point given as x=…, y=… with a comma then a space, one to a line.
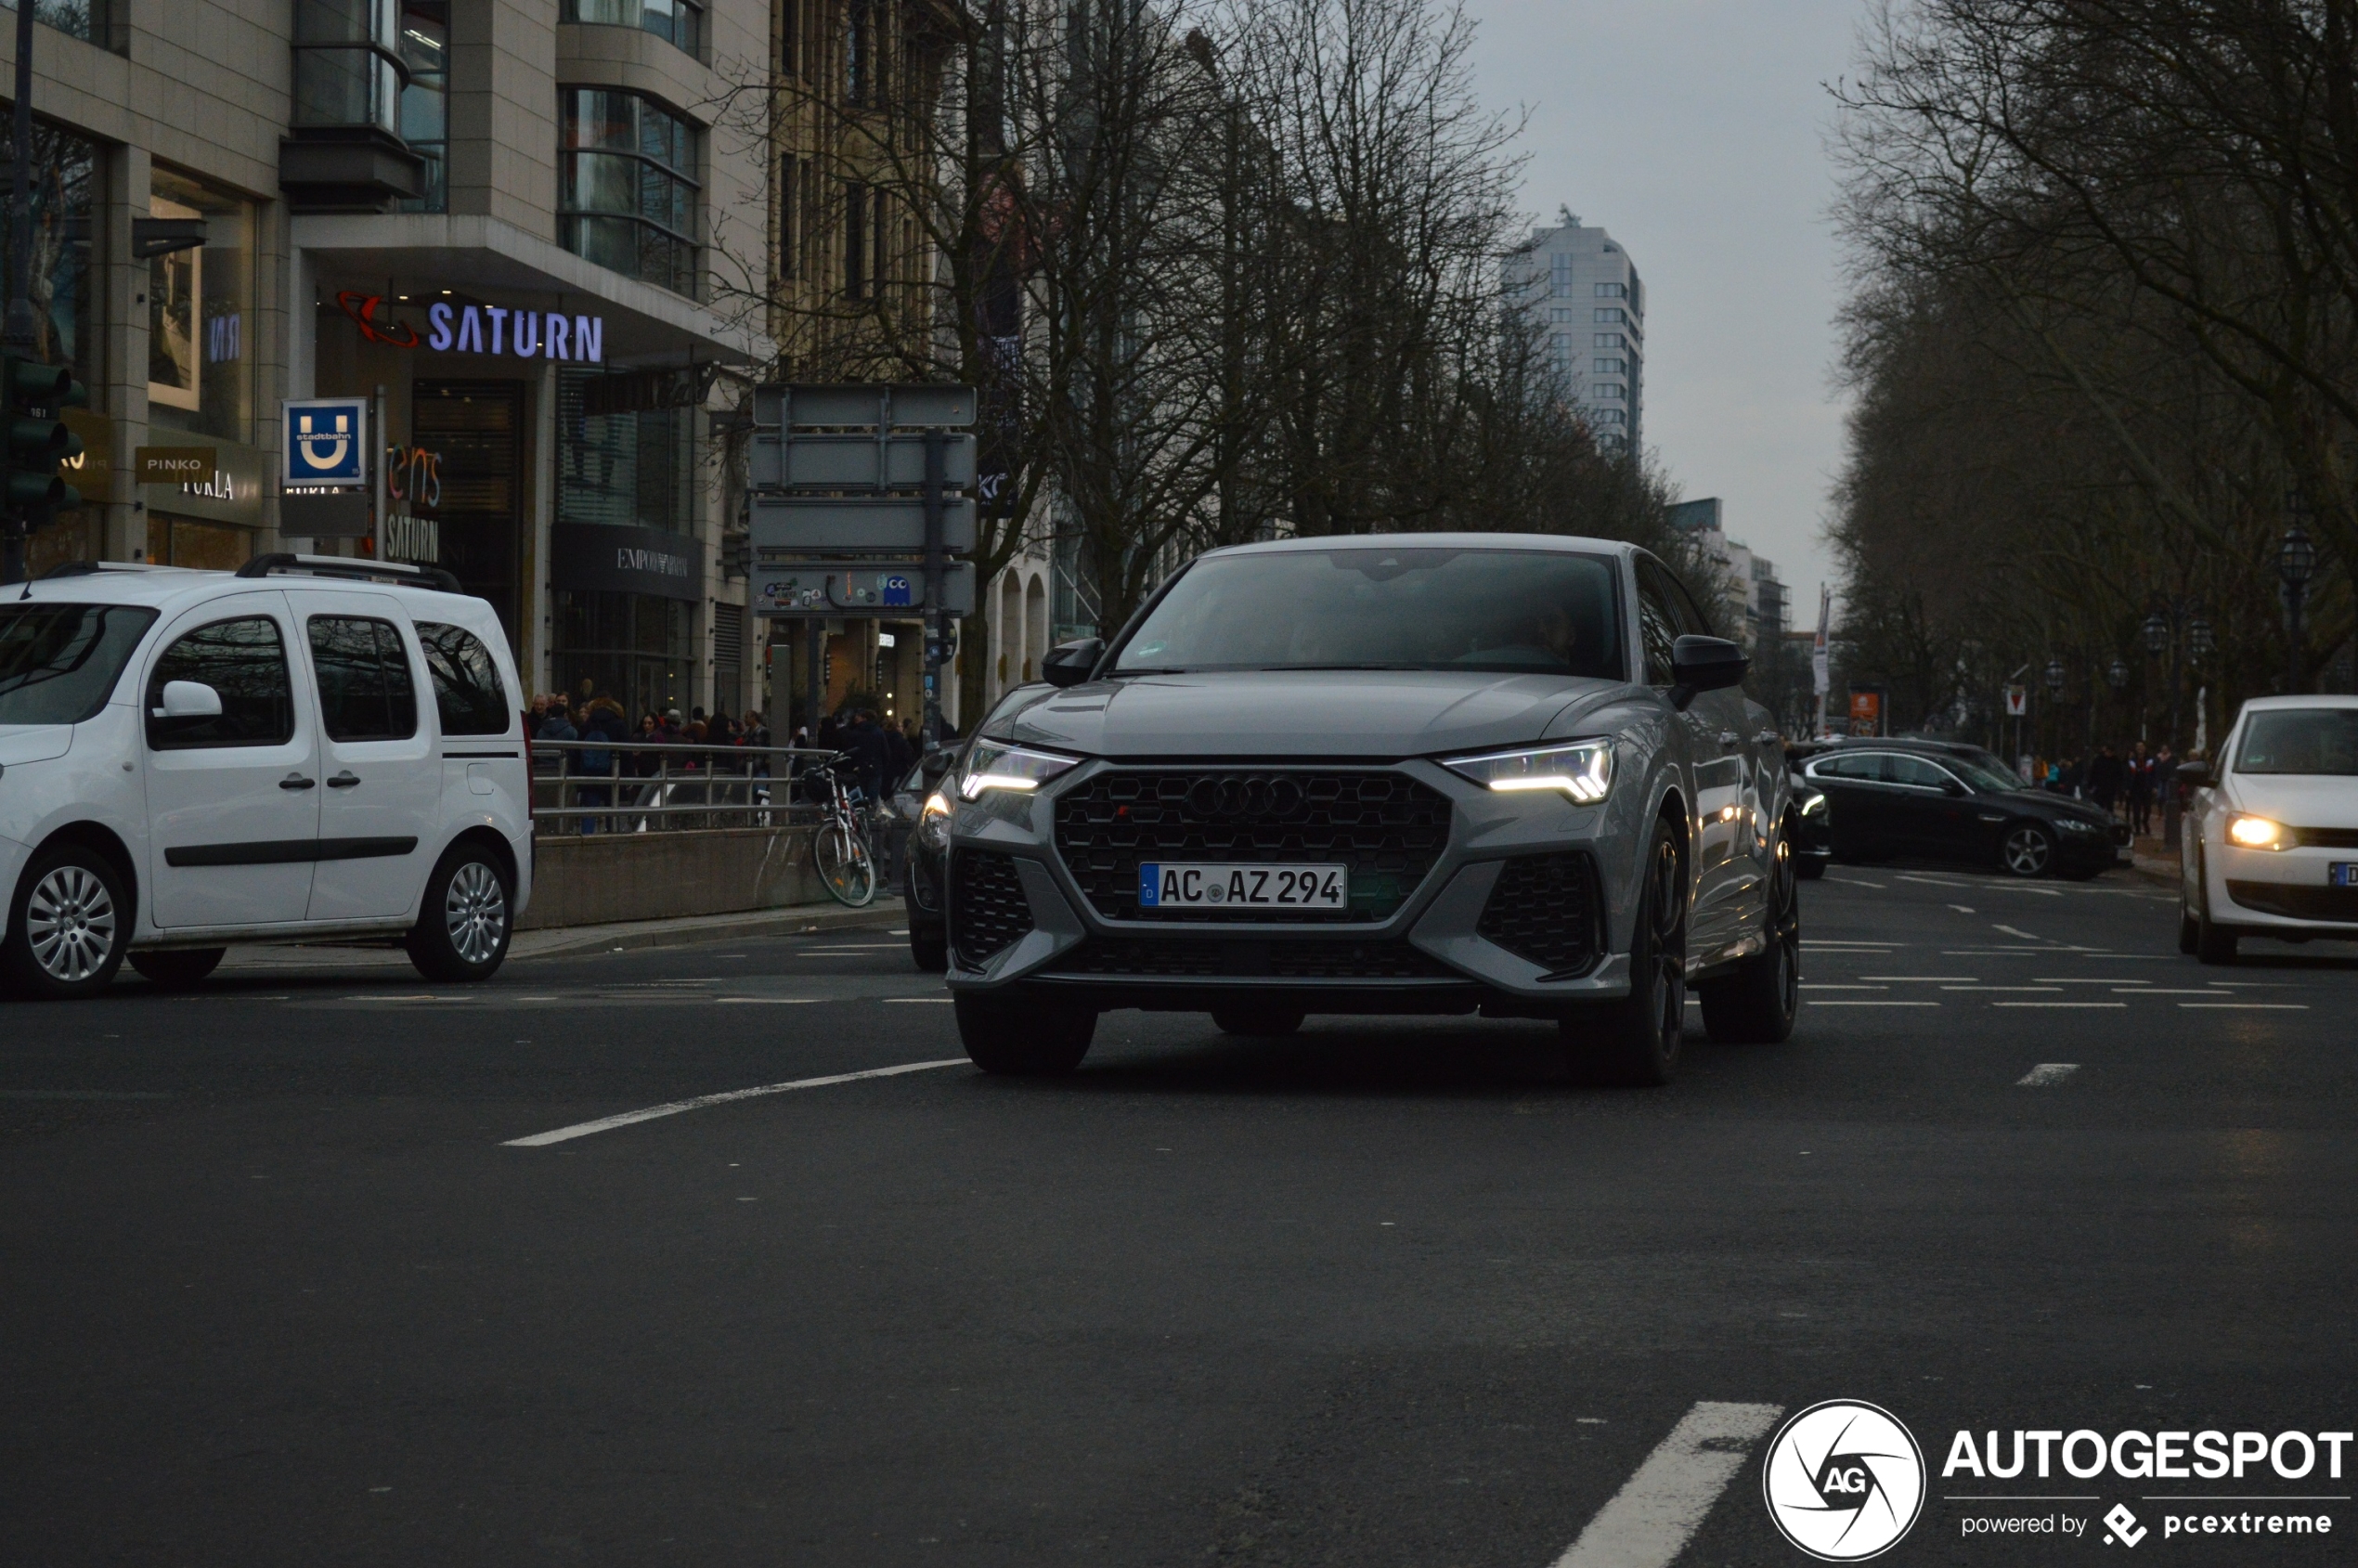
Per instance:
x=92, y=568
x=347, y=566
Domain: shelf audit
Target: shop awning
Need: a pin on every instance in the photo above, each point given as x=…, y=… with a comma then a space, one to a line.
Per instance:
x=469, y=256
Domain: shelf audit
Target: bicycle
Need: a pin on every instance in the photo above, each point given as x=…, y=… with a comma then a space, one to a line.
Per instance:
x=839, y=849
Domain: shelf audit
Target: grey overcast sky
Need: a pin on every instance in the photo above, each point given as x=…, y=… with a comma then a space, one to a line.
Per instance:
x=1695, y=131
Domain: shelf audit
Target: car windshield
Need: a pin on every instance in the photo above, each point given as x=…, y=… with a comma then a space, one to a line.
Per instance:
x=59, y=662
x=2301, y=740
x=1997, y=781
x=1372, y=607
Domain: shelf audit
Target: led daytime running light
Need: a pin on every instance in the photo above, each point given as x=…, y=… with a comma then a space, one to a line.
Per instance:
x=1582, y=771
x=1011, y=768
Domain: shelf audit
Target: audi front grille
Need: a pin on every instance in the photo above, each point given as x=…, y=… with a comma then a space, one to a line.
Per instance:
x=1385, y=827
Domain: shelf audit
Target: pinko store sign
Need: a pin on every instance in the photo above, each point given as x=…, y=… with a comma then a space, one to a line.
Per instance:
x=485, y=329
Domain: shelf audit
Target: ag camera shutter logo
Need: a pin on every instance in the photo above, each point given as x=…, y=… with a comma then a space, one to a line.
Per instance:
x=1845, y=1481
x=325, y=444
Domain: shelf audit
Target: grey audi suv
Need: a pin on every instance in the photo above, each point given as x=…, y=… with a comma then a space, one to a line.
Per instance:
x=1409, y=774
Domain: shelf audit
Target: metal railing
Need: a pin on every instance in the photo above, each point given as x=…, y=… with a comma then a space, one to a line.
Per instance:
x=666, y=786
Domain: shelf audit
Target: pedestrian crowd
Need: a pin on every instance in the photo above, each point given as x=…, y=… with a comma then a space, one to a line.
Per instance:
x=2132, y=788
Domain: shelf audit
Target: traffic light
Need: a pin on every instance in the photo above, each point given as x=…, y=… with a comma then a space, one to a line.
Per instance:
x=38, y=439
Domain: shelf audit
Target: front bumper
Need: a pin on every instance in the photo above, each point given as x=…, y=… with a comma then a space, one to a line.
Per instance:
x=2265, y=890
x=1019, y=919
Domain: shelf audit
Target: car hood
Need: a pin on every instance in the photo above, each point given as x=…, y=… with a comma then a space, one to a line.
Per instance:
x=2297, y=800
x=2048, y=805
x=1305, y=713
x=33, y=743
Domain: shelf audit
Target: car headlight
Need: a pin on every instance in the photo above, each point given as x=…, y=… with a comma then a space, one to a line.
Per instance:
x=2074, y=824
x=2256, y=833
x=933, y=823
x=999, y=766
x=1581, y=770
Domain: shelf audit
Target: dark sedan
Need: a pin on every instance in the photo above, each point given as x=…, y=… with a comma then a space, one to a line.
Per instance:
x=1896, y=799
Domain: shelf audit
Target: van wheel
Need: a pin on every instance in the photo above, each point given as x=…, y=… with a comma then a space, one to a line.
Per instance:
x=68, y=927
x=1757, y=1005
x=178, y=968
x=1004, y=1036
x=1637, y=1040
x=464, y=923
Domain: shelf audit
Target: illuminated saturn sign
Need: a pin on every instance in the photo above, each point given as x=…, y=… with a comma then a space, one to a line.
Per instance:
x=485, y=329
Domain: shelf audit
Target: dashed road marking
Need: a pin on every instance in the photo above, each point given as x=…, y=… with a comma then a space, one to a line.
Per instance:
x=2046, y=1074
x=1845, y=1002
x=1924, y=979
x=2015, y=931
x=2253, y=1006
x=2082, y=1005
x=1657, y=1511
x=630, y=1117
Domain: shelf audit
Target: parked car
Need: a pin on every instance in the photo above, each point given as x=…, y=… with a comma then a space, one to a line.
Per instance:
x=1896, y=798
x=1813, y=831
x=2268, y=846
x=1414, y=773
x=190, y=759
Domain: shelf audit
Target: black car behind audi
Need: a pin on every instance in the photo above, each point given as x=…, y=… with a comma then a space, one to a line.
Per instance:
x=1887, y=799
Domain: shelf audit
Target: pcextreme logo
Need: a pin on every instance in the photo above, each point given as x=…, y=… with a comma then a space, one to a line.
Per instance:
x=1845, y=1481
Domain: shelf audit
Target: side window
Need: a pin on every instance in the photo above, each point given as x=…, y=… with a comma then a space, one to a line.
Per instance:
x=1916, y=770
x=1865, y=769
x=1691, y=620
x=366, y=693
x=1657, y=626
x=245, y=662
x=467, y=695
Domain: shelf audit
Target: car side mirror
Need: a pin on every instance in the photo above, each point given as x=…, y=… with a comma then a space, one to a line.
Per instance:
x=1068, y=664
x=1704, y=663
x=2198, y=774
x=934, y=766
x=189, y=699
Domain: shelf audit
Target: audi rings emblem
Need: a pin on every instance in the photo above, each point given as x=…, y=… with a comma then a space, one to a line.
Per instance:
x=1252, y=794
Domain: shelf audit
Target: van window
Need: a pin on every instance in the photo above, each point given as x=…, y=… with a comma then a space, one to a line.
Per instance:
x=467, y=693
x=366, y=693
x=244, y=660
x=59, y=663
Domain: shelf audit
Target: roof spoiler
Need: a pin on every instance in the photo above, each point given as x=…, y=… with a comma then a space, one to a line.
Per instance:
x=347, y=566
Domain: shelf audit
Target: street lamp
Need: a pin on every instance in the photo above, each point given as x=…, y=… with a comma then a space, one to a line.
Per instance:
x=2198, y=637
x=2296, y=562
x=2118, y=674
x=2157, y=634
x=2055, y=676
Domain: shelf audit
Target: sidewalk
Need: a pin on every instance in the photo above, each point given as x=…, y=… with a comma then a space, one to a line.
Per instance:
x=2150, y=859
x=624, y=937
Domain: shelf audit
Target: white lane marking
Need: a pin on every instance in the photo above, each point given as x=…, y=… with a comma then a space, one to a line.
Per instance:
x=2051, y=990
x=628, y=1117
x=1924, y=979
x=943, y=1001
x=761, y=1000
x=1855, y=882
x=1934, y=881
x=1845, y=1001
x=1822, y=985
x=2062, y=1004
x=1657, y=1511
x=2064, y=980
x=2250, y=1006
x=2162, y=991
x=1960, y=908
x=2046, y=1073
x=2025, y=935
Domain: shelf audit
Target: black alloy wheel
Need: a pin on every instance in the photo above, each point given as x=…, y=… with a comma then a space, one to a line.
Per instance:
x=177, y=968
x=1023, y=1038
x=1757, y=1004
x=1637, y=1040
x=2026, y=849
x=2213, y=942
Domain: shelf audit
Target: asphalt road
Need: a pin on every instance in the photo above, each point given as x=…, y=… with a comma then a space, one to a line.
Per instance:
x=276, y=1285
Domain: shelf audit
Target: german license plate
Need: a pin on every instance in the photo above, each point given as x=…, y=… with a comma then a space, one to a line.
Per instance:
x=2342, y=873
x=1162, y=885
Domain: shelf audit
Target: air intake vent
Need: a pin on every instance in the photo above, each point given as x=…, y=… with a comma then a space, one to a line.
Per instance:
x=988, y=910
x=1544, y=909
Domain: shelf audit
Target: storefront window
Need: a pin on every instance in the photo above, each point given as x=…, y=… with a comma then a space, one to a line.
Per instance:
x=676, y=21
x=200, y=315
x=78, y=18
x=64, y=167
x=425, y=124
x=619, y=462
x=627, y=188
x=633, y=647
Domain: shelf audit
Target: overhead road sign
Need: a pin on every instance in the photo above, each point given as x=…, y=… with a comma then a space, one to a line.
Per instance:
x=863, y=405
x=855, y=525
x=830, y=588
x=803, y=462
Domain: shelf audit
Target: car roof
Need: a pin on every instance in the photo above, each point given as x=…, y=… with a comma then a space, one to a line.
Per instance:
x=173, y=587
x=1566, y=543
x=2262, y=705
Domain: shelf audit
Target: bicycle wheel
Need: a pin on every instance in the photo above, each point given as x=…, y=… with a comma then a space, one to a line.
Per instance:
x=844, y=865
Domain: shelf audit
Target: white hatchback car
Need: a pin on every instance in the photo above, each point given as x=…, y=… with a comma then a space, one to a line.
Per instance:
x=189, y=760
x=2270, y=846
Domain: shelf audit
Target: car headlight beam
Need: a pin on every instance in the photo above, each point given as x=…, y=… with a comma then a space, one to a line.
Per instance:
x=933, y=823
x=2256, y=833
x=1581, y=770
x=997, y=766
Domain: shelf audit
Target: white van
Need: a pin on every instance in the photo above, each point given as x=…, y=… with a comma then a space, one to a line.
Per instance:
x=189, y=760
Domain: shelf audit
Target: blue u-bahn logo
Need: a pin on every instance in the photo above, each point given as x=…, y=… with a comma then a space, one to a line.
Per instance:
x=325, y=441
